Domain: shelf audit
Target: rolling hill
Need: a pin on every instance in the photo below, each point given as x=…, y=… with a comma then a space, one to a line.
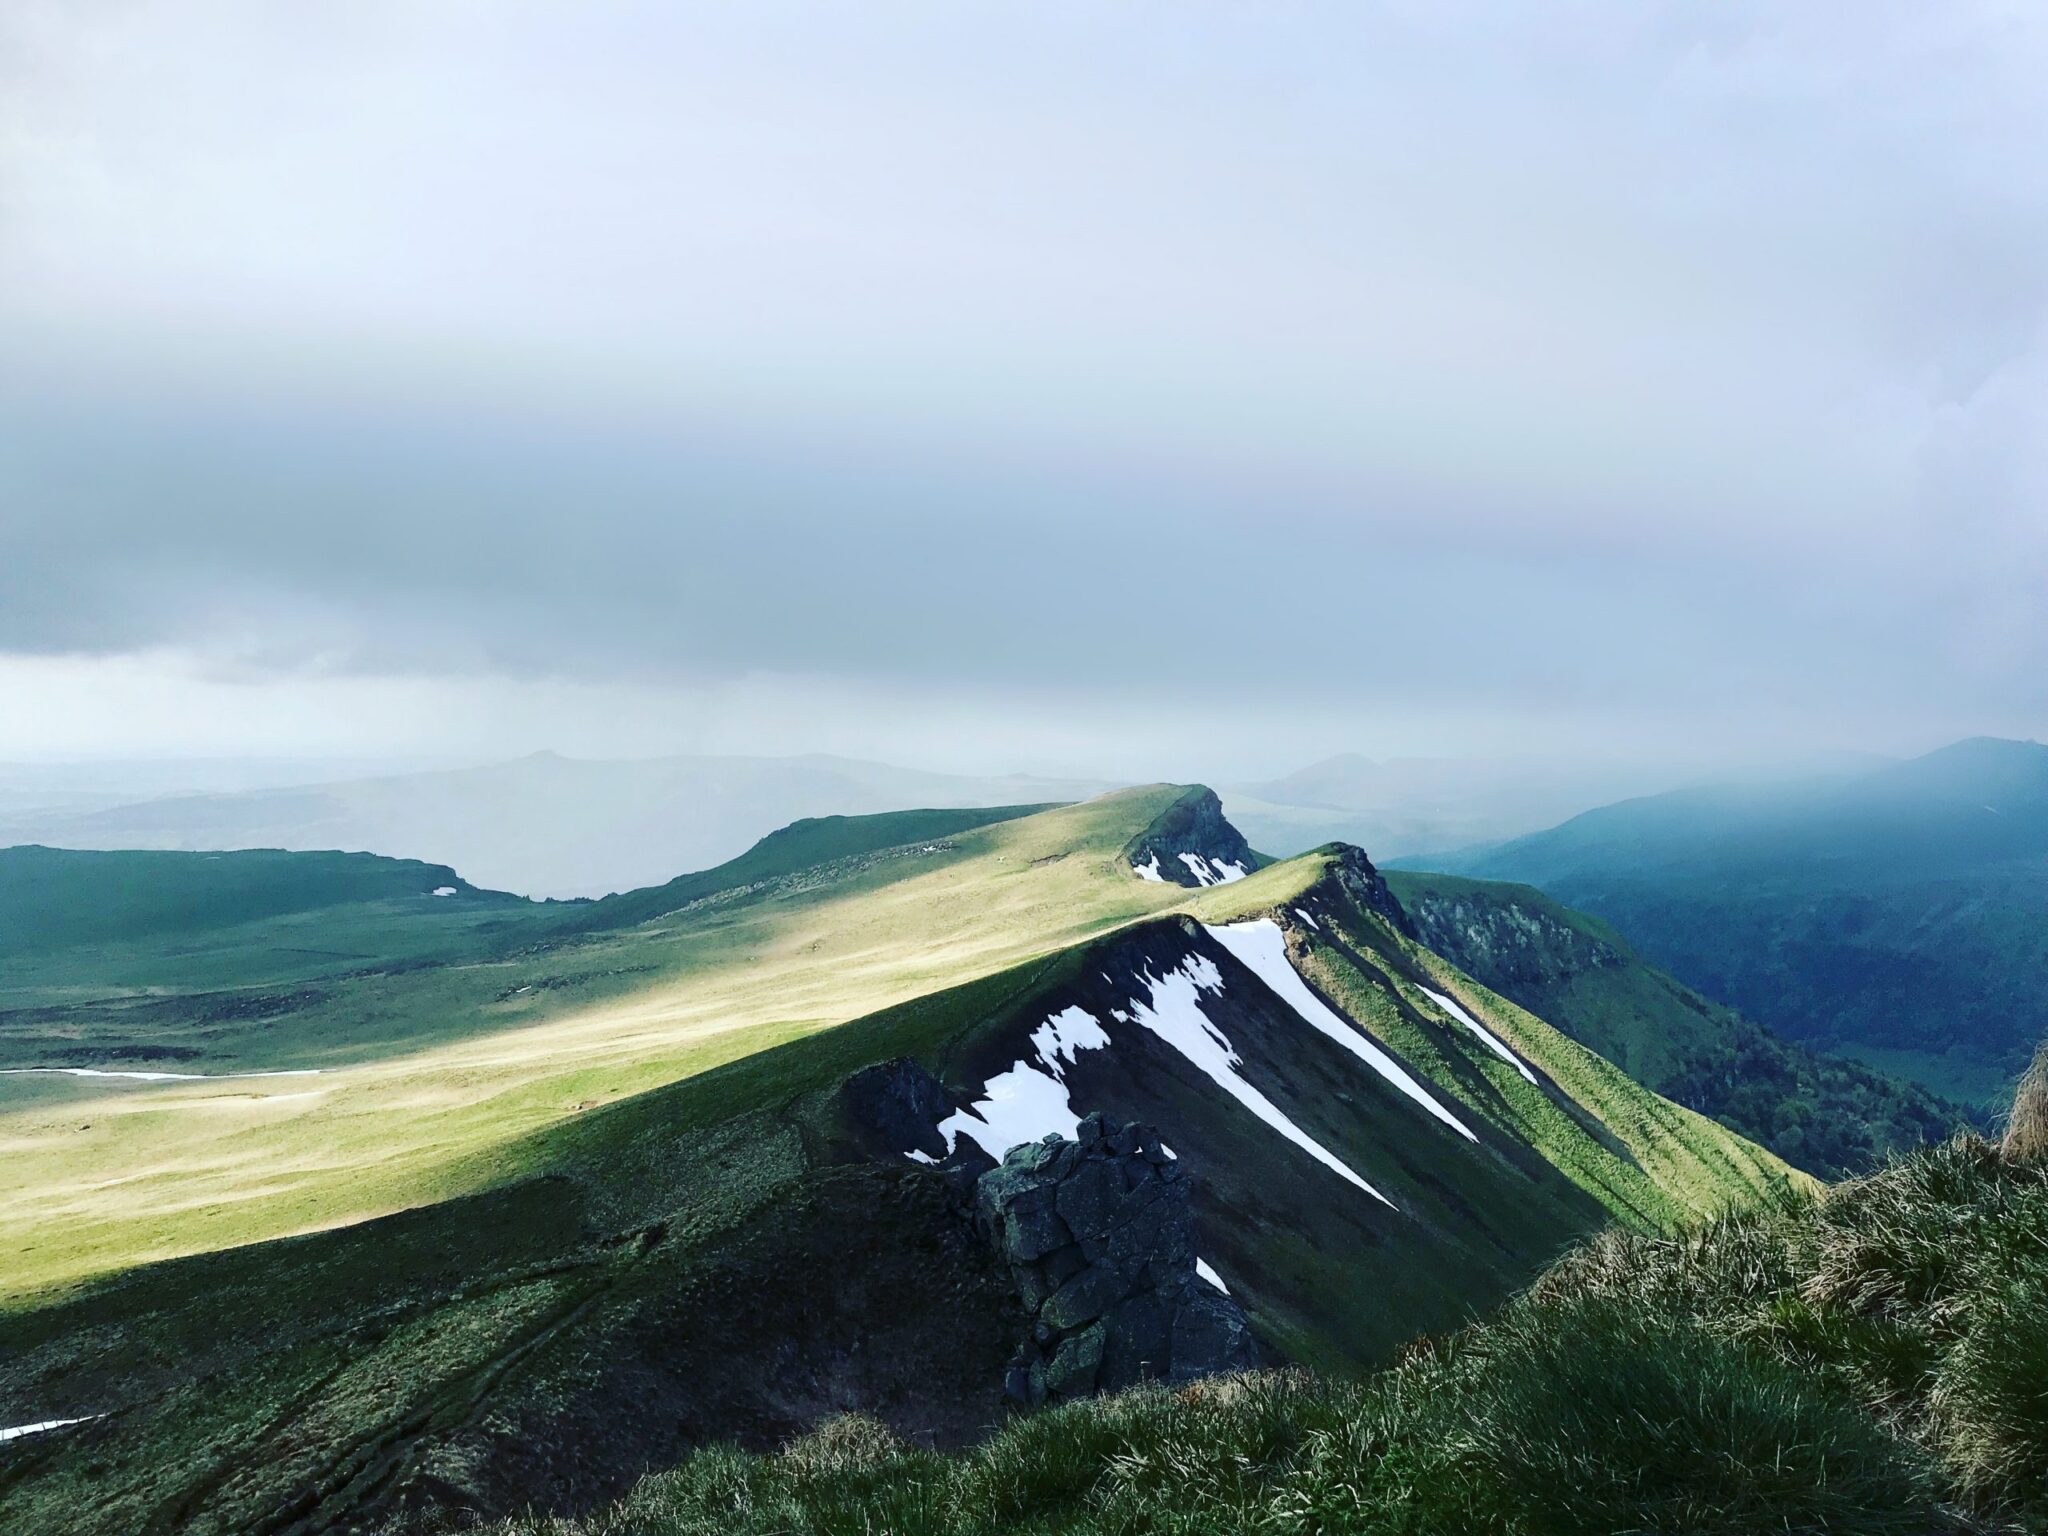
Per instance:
x=1895, y=915
x=542, y=825
x=620, y=1191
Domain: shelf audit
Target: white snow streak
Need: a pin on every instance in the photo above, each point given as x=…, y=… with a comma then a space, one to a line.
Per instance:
x=1175, y=1015
x=444, y=890
x=1202, y=1268
x=36, y=1429
x=1262, y=947
x=1029, y=1102
x=1206, y=873
x=1493, y=1042
x=1308, y=917
x=1149, y=871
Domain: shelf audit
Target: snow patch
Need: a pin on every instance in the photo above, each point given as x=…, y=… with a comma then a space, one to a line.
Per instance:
x=1308, y=917
x=1493, y=1042
x=1175, y=1015
x=1202, y=1268
x=1029, y=1102
x=1149, y=871
x=1262, y=948
x=444, y=890
x=1017, y=1106
x=1066, y=1033
x=1208, y=872
x=36, y=1429
x=152, y=1077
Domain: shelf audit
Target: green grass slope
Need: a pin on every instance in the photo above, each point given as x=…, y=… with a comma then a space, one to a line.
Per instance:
x=441, y=1033
x=1828, y=1116
x=801, y=846
x=1868, y=1362
x=56, y=898
x=720, y=1257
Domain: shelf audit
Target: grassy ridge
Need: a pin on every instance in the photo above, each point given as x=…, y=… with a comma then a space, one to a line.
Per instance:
x=802, y=845
x=1871, y=1361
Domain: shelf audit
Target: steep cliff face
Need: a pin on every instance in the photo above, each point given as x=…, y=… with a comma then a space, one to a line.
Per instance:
x=1508, y=944
x=1192, y=844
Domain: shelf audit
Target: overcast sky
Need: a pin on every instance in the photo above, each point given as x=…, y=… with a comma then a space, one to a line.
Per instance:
x=1181, y=389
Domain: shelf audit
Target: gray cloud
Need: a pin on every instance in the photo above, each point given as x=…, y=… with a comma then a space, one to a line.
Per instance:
x=1615, y=359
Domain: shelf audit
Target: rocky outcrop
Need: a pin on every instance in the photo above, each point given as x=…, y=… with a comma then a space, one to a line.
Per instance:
x=1511, y=946
x=1360, y=880
x=1193, y=825
x=896, y=1108
x=1098, y=1237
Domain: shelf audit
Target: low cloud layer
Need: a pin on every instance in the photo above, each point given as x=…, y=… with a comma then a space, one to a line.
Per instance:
x=1365, y=374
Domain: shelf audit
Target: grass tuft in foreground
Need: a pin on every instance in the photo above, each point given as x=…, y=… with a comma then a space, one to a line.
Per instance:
x=2026, y=1128
x=1870, y=1362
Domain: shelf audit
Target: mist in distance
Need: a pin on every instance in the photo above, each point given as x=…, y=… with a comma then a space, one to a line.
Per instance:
x=1619, y=395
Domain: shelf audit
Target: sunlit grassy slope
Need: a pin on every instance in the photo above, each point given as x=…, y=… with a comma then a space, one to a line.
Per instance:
x=525, y=1020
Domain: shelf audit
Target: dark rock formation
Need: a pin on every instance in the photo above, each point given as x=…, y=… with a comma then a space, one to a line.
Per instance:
x=1364, y=884
x=894, y=1109
x=1098, y=1235
x=897, y=1106
x=1193, y=824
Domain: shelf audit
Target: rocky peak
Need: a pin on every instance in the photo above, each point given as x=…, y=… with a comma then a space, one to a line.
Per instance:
x=1193, y=844
x=1098, y=1236
x=1358, y=878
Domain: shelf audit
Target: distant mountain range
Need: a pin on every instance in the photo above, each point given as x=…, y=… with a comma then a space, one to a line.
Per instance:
x=1405, y=805
x=548, y=825
x=1898, y=914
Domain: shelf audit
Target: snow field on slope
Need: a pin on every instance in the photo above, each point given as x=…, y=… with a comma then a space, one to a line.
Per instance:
x=1494, y=1043
x=1262, y=948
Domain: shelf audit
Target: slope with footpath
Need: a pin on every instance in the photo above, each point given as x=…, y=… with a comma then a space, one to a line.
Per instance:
x=1893, y=915
x=1378, y=1147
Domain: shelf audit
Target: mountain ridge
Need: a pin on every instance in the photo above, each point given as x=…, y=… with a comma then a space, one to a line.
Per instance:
x=1353, y=1111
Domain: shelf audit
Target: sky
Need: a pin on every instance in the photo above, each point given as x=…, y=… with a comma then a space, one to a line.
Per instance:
x=1127, y=388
